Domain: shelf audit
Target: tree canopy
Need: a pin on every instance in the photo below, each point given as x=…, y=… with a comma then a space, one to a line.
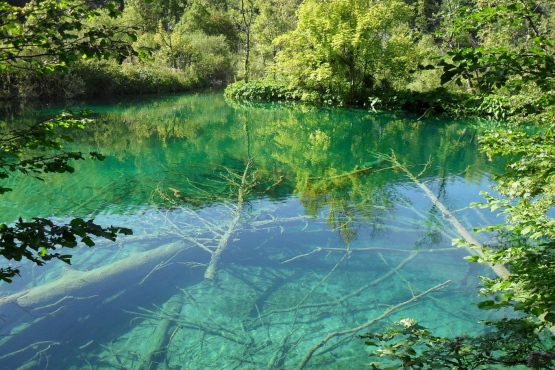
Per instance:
x=346, y=49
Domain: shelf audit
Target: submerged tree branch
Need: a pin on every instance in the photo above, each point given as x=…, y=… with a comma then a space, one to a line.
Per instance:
x=243, y=189
x=500, y=270
x=386, y=313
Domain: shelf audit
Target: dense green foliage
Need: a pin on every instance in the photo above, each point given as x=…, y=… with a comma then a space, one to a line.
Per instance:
x=513, y=342
x=175, y=46
x=261, y=91
x=343, y=50
x=490, y=59
x=334, y=52
x=47, y=36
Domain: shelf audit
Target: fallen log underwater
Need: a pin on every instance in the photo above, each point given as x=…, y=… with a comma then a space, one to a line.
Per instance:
x=72, y=281
x=499, y=270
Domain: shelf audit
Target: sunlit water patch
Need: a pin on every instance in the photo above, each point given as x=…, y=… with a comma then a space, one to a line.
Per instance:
x=265, y=237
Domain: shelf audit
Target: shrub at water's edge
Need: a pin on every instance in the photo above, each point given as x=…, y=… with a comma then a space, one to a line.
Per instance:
x=517, y=108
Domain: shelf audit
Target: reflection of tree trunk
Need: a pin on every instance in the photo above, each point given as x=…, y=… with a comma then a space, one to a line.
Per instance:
x=247, y=134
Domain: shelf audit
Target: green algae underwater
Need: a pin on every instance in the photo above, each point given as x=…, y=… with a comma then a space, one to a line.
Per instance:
x=266, y=236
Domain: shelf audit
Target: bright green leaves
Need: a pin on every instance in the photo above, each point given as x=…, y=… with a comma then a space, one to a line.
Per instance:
x=132, y=37
x=472, y=258
x=342, y=50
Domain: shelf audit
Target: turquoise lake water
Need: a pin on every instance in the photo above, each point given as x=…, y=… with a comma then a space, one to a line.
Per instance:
x=259, y=230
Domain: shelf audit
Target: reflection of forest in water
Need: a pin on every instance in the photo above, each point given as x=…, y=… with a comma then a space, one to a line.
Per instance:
x=178, y=140
x=275, y=262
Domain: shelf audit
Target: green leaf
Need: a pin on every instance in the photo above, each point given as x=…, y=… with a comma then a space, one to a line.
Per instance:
x=88, y=241
x=77, y=222
x=472, y=258
x=486, y=305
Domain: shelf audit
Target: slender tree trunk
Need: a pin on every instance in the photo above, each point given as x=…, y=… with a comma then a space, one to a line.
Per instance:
x=247, y=53
x=247, y=16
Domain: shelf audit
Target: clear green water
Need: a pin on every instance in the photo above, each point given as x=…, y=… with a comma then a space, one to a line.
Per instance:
x=312, y=245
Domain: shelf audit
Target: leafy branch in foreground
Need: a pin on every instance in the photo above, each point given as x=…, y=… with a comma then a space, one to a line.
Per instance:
x=527, y=241
x=48, y=36
x=40, y=239
x=485, y=68
x=512, y=342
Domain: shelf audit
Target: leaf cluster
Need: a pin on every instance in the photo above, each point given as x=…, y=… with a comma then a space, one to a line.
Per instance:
x=485, y=67
x=510, y=342
x=40, y=240
x=49, y=35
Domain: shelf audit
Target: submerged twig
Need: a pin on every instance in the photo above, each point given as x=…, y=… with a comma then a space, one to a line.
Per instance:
x=386, y=313
x=352, y=294
x=160, y=265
